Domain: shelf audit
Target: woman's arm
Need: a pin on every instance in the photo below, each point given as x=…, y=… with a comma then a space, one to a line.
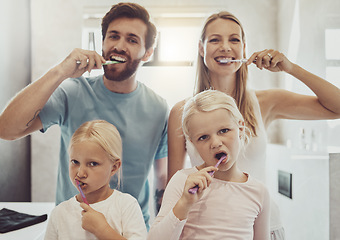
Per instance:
x=282, y=104
x=176, y=140
x=327, y=94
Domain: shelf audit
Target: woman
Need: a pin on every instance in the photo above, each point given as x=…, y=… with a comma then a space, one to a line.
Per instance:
x=223, y=39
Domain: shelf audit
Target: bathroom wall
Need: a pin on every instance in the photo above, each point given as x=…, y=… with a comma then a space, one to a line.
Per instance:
x=306, y=214
x=301, y=34
x=15, y=69
x=334, y=198
x=305, y=144
x=56, y=30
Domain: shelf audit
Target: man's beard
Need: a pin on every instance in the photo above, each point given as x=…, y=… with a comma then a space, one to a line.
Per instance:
x=129, y=70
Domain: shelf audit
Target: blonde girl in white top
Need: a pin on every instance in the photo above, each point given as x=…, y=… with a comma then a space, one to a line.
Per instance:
x=102, y=213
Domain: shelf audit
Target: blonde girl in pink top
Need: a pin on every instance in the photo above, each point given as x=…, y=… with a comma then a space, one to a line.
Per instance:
x=229, y=203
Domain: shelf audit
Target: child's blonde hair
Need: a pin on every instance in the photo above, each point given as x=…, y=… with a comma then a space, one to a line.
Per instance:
x=210, y=100
x=105, y=135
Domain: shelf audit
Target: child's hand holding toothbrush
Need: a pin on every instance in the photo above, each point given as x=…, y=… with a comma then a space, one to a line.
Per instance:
x=202, y=179
x=96, y=223
x=92, y=220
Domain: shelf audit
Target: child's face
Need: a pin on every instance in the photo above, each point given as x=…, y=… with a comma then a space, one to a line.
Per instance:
x=91, y=166
x=215, y=134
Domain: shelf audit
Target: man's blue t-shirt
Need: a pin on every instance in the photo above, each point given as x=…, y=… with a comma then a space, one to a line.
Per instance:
x=140, y=116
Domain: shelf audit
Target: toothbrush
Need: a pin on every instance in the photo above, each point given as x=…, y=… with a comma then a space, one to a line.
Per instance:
x=111, y=62
x=194, y=189
x=81, y=193
x=233, y=60
x=105, y=63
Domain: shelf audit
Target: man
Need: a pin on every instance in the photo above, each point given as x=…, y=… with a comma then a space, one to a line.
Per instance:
x=63, y=96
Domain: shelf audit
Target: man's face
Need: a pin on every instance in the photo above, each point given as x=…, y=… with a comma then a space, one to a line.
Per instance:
x=124, y=41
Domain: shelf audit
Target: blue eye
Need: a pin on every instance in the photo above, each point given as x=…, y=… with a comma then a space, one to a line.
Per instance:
x=93, y=164
x=235, y=40
x=73, y=161
x=225, y=130
x=114, y=36
x=213, y=40
x=202, y=137
x=132, y=40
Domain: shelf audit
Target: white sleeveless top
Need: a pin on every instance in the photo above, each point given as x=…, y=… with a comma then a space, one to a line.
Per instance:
x=253, y=161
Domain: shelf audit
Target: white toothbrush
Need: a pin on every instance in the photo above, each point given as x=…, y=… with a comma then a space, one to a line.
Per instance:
x=106, y=63
x=233, y=60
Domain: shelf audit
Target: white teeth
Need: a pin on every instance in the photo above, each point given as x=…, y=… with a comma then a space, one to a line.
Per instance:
x=117, y=58
x=224, y=59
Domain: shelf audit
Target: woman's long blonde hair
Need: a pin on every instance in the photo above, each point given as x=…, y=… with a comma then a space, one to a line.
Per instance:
x=242, y=97
x=105, y=135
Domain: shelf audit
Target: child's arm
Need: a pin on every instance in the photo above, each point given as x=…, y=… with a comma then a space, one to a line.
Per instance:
x=177, y=202
x=95, y=222
x=261, y=225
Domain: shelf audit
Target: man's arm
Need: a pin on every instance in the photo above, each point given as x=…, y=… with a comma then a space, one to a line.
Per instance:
x=20, y=117
x=160, y=181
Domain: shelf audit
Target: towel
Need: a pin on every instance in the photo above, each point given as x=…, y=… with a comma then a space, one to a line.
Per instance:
x=11, y=220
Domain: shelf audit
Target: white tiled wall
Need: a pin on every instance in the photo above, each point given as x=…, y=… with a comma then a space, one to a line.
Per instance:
x=55, y=32
x=306, y=215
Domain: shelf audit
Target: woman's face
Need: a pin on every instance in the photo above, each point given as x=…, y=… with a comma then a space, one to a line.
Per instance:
x=223, y=41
